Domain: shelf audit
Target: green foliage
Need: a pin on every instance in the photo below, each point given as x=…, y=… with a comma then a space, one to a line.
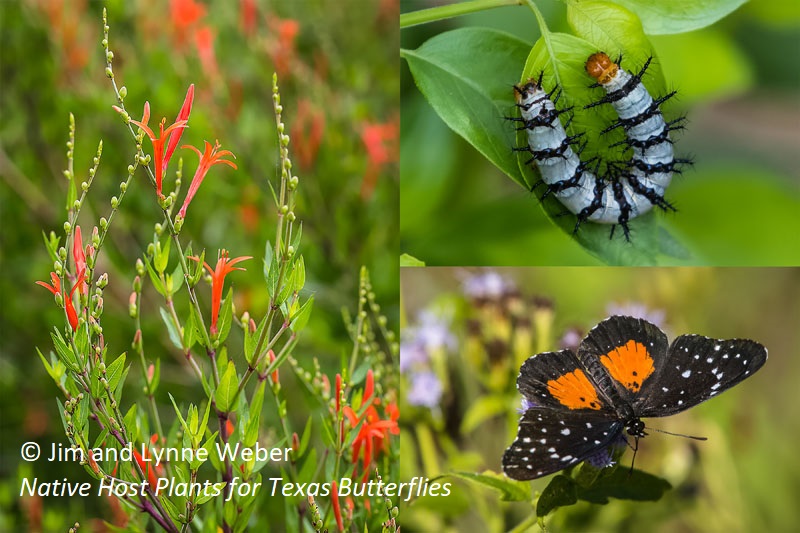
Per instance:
x=465, y=76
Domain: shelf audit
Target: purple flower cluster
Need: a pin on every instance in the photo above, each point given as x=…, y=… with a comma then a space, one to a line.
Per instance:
x=430, y=335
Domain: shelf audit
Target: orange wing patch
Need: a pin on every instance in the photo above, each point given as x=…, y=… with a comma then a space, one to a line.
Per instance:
x=630, y=365
x=574, y=391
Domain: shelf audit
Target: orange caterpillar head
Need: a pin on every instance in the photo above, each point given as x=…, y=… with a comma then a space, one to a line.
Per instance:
x=600, y=67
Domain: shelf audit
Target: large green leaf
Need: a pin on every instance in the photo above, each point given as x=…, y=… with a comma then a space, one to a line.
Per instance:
x=464, y=75
x=467, y=75
x=678, y=16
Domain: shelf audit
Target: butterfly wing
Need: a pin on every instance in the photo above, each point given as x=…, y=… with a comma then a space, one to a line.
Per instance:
x=549, y=440
x=557, y=380
x=623, y=355
x=695, y=369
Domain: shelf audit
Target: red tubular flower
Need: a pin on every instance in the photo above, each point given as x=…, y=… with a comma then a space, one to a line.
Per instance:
x=183, y=114
x=149, y=471
x=55, y=288
x=381, y=143
x=337, y=510
x=161, y=159
x=223, y=268
x=373, y=434
x=212, y=156
x=369, y=388
x=80, y=259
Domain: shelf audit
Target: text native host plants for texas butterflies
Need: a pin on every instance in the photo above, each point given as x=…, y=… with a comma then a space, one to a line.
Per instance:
x=467, y=76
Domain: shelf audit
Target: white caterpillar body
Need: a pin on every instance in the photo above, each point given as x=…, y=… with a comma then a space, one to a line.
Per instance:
x=626, y=191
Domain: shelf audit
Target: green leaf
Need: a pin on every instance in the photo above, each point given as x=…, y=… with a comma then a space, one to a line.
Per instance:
x=64, y=351
x=678, y=16
x=131, y=423
x=195, y=323
x=300, y=318
x=287, y=284
x=226, y=317
x=161, y=255
x=184, y=424
x=560, y=492
x=228, y=385
x=459, y=74
x=179, y=276
x=174, y=334
x=304, y=440
x=625, y=485
x=114, y=372
x=510, y=490
x=300, y=274
x=154, y=277
x=189, y=332
x=407, y=260
x=296, y=238
x=251, y=432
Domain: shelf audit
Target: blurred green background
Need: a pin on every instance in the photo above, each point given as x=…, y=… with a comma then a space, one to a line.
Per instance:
x=338, y=75
x=738, y=83
x=744, y=478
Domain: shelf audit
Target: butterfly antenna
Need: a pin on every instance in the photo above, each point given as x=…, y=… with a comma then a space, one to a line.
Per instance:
x=679, y=434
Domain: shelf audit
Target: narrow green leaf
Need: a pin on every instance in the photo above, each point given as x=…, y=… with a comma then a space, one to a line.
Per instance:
x=300, y=274
x=300, y=319
x=296, y=238
x=510, y=490
x=184, y=425
x=174, y=334
x=189, y=332
x=121, y=383
x=225, y=316
x=287, y=286
x=228, y=385
x=64, y=351
x=251, y=432
x=114, y=372
x=154, y=278
x=305, y=438
x=161, y=255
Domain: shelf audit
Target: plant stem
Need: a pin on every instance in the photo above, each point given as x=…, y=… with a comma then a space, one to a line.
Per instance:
x=434, y=14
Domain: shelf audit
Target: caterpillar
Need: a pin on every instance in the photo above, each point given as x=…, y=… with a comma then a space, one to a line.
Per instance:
x=626, y=190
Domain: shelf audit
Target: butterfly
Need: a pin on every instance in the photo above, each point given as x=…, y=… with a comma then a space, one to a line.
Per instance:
x=579, y=405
